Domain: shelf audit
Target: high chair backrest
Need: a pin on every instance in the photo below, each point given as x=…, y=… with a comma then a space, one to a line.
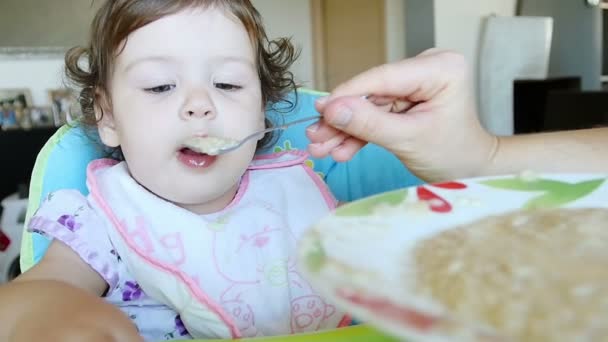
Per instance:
x=61, y=164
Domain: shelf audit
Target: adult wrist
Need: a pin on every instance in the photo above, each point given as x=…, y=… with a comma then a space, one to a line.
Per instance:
x=493, y=155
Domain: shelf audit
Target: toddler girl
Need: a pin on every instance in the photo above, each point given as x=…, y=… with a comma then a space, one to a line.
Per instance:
x=186, y=244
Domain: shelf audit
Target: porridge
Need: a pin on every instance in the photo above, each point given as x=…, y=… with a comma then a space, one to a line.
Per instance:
x=528, y=276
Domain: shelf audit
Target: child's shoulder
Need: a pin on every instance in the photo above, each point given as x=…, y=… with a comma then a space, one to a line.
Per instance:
x=67, y=216
x=65, y=202
x=64, y=197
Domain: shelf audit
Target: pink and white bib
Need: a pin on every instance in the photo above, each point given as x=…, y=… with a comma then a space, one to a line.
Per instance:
x=229, y=274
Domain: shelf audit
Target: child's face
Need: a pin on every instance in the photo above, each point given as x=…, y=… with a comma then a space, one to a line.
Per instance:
x=189, y=74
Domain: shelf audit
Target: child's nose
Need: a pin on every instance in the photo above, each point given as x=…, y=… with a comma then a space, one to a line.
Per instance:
x=199, y=105
x=199, y=113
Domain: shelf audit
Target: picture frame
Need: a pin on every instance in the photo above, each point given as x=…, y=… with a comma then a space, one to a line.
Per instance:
x=13, y=108
x=63, y=103
x=41, y=116
x=15, y=93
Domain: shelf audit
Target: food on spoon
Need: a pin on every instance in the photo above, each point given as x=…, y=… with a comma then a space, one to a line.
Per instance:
x=528, y=276
x=210, y=145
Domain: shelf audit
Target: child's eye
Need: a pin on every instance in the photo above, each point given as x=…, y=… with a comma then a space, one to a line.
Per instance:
x=227, y=86
x=160, y=89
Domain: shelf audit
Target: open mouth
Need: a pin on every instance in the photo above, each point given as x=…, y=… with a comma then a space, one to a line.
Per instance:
x=195, y=159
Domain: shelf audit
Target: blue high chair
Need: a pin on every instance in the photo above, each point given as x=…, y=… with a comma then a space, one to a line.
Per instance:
x=61, y=164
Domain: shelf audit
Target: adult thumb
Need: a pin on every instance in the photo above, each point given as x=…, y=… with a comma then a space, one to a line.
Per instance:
x=364, y=120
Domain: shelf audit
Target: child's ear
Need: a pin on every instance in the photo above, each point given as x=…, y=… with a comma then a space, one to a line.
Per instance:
x=106, y=125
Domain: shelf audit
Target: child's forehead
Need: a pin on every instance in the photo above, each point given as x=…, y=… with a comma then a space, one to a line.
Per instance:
x=206, y=33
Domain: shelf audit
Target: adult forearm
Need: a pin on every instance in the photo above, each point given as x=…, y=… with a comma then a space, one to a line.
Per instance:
x=567, y=151
x=56, y=311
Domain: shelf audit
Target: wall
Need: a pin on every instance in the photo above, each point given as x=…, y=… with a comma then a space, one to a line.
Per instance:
x=449, y=24
x=39, y=75
x=45, y=23
x=577, y=38
x=282, y=17
x=291, y=18
x=458, y=23
x=35, y=23
x=395, y=30
x=419, y=26
x=70, y=19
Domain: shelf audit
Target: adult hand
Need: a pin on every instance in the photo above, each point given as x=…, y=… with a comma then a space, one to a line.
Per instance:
x=421, y=109
x=53, y=311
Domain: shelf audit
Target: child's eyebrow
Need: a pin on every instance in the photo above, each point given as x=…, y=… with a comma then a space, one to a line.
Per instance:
x=168, y=59
x=234, y=59
x=163, y=59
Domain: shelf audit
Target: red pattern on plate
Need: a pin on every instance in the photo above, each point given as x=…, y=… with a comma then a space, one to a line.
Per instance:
x=451, y=185
x=437, y=203
x=389, y=310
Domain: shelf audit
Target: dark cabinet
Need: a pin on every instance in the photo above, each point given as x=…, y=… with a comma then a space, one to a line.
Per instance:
x=18, y=152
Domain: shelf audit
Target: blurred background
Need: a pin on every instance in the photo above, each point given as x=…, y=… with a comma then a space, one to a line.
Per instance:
x=536, y=65
x=526, y=56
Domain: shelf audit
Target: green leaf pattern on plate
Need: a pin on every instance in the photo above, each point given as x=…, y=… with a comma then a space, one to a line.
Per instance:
x=555, y=193
x=366, y=207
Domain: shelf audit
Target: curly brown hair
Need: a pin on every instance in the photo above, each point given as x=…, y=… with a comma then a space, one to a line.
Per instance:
x=116, y=19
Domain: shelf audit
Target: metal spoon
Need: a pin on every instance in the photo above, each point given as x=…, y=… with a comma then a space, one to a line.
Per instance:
x=233, y=145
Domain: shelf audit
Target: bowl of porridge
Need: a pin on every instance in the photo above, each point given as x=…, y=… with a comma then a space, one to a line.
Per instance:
x=509, y=258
